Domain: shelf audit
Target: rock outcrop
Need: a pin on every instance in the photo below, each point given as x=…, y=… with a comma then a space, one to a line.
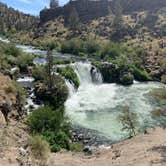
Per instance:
x=88, y=10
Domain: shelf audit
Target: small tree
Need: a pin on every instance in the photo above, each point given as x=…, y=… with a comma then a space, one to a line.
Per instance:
x=129, y=121
x=49, y=59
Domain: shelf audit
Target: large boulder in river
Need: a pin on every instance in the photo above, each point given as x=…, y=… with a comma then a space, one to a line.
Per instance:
x=112, y=73
x=126, y=78
x=109, y=72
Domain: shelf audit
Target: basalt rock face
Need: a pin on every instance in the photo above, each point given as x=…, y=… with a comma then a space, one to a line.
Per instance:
x=87, y=10
x=129, y=6
x=92, y=9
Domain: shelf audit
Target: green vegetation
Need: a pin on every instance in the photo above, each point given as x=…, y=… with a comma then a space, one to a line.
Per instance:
x=39, y=72
x=140, y=75
x=24, y=61
x=50, y=121
x=129, y=121
x=76, y=146
x=40, y=149
x=80, y=47
x=12, y=56
x=52, y=125
x=69, y=74
x=56, y=96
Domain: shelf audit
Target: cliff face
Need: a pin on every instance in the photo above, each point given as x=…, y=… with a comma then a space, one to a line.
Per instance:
x=87, y=10
x=92, y=9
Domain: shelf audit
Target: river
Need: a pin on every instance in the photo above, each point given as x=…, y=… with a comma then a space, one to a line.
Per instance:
x=97, y=106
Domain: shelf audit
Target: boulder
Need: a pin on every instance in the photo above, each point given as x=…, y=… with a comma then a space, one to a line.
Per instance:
x=109, y=72
x=126, y=78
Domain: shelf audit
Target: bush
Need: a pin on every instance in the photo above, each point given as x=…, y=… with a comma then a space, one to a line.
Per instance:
x=91, y=47
x=140, y=75
x=73, y=46
x=80, y=47
x=39, y=73
x=76, y=146
x=23, y=61
x=129, y=121
x=40, y=149
x=12, y=50
x=111, y=50
x=56, y=96
x=52, y=125
x=69, y=74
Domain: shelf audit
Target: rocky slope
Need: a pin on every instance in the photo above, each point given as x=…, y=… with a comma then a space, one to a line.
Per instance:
x=13, y=20
x=13, y=136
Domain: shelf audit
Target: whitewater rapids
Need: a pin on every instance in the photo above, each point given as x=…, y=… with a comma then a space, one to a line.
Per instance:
x=97, y=106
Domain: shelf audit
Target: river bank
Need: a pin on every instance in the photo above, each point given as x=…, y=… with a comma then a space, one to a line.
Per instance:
x=97, y=104
x=142, y=150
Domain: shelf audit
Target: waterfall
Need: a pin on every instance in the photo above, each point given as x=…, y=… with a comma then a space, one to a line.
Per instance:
x=71, y=87
x=87, y=73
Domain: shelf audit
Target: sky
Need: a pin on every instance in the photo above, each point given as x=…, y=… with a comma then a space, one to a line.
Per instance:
x=32, y=7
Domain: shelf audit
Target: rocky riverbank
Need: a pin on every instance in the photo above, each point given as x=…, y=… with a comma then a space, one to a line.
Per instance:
x=142, y=150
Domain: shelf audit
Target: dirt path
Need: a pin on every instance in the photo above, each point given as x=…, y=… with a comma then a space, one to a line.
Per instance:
x=143, y=150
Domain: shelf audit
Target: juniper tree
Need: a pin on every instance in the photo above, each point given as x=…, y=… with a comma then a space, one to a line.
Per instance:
x=50, y=47
x=129, y=121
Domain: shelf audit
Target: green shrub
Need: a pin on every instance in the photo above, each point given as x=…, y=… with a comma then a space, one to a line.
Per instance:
x=80, y=47
x=73, y=46
x=76, y=146
x=53, y=125
x=12, y=50
x=140, y=75
x=39, y=72
x=23, y=61
x=91, y=47
x=63, y=61
x=69, y=74
x=40, y=149
x=56, y=96
x=111, y=50
x=129, y=121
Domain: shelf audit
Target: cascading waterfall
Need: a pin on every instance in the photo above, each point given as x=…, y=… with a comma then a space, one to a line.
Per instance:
x=87, y=73
x=71, y=87
x=96, y=105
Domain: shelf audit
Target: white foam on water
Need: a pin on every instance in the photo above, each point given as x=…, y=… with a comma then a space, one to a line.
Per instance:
x=97, y=106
